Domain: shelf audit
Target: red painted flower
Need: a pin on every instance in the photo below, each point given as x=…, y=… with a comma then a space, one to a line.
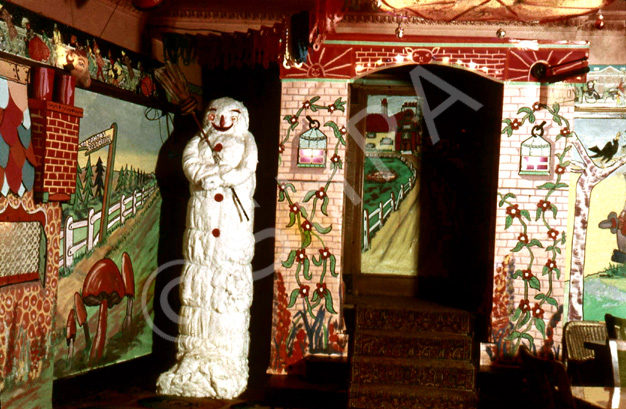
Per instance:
x=294, y=208
x=343, y=130
x=516, y=124
x=306, y=104
x=527, y=274
x=553, y=234
x=523, y=238
x=544, y=205
x=536, y=106
x=304, y=291
x=538, y=311
x=281, y=148
x=293, y=119
x=306, y=226
x=325, y=253
x=513, y=210
x=300, y=255
x=551, y=264
x=331, y=108
x=321, y=193
x=565, y=131
x=524, y=305
x=321, y=289
x=559, y=170
x=335, y=158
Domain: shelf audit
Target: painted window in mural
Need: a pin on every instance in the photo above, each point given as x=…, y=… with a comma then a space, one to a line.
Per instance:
x=390, y=185
x=601, y=186
x=109, y=237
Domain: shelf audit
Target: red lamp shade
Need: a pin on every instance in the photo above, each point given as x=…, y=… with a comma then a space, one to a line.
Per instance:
x=147, y=4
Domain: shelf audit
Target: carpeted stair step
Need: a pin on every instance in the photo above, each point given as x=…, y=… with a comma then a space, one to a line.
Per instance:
x=410, y=315
x=433, y=373
x=396, y=344
x=409, y=397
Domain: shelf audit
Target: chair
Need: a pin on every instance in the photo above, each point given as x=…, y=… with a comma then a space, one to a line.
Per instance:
x=547, y=380
x=615, y=326
x=582, y=365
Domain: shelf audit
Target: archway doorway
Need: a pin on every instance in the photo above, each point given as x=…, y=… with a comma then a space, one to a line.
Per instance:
x=435, y=241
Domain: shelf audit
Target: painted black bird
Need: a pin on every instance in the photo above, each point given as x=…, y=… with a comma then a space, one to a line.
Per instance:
x=606, y=153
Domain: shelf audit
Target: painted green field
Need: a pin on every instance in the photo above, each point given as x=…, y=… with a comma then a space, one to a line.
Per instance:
x=604, y=295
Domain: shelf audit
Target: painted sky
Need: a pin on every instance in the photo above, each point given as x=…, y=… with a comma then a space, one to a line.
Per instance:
x=139, y=139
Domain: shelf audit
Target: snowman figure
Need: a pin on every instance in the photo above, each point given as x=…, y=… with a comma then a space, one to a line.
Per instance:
x=216, y=283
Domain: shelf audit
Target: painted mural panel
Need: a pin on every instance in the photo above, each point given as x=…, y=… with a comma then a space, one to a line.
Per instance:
x=604, y=139
x=391, y=185
x=109, y=237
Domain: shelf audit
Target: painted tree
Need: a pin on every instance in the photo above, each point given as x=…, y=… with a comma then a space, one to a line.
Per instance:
x=99, y=182
x=121, y=180
x=78, y=195
x=590, y=175
x=88, y=186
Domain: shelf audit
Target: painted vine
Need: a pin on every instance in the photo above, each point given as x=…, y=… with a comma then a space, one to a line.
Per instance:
x=310, y=231
x=525, y=316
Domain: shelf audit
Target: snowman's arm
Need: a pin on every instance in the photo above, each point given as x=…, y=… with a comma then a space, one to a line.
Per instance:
x=198, y=168
x=247, y=165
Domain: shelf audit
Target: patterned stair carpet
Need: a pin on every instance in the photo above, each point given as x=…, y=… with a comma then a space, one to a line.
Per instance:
x=412, y=354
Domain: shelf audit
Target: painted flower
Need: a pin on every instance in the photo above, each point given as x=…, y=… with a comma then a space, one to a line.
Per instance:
x=306, y=104
x=281, y=148
x=300, y=255
x=513, y=210
x=343, y=130
x=536, y=106
x=294, y=208
x=553, y=234
x=321, y=289
x=524, y=305
x=523, y=238
x=544, y=205
x=559, y=170
x=527, y=274
x=331, y=108
x=565, y=131
x=321, y=193
x=304, y=291
x=515, y=124
x=551, y=264
x=325, y=253
x=306, y=226
x=538, y=311
x=335, y=158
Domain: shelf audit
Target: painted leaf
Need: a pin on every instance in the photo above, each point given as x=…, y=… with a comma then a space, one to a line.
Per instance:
x=555, y=210
x=329, y=302
x=306, y=238
x=516, y=315
x=309, y=195
x=557, y=119
x=552, y=301
x=304, y=212
x=541, y=326
x=315, y=297
x=508, y=222
x=555, y=108
x=525, y=319
x=514, y=335
x=534, y=283
x=557, y=271
x=337, y=132
x=324, y=207
x=516, y=274
x=529, y=338
x=305, y=270
x=322, y=230
x=518, y=247
x=281, y=196
x=538, y=213
x=317, y=262
x=293, y=298
x=292, y=219
x=548, y=185
x=505, y=197
x=289, y=262
x=314, y=99
x=525, y=214
x=333, y=263
x=535, y=243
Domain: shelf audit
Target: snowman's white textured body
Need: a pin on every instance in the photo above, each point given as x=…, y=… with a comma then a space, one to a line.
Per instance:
x=216, y=284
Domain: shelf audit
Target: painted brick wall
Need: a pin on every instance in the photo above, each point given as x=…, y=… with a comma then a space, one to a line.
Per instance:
x=528, y=194
x=296, y=97
x=55, y=138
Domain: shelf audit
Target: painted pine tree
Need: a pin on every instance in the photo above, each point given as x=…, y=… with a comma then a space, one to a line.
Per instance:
x=88, y=186
x=78, y=195
x=99, y=182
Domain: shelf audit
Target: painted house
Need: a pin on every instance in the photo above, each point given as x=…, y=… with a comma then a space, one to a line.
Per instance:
x=493, y=141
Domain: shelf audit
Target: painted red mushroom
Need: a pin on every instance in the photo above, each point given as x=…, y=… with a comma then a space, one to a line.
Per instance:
x=103, y=286
x=70, y=333
x=81, y=317
x=129, y=288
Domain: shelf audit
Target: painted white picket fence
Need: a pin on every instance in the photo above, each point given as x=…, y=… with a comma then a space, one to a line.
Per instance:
x=125, y=207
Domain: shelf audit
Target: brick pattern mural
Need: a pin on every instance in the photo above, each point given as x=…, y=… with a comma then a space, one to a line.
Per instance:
x=55, y=137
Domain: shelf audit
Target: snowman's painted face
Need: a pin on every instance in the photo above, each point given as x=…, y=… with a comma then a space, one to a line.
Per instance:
x=227, y=115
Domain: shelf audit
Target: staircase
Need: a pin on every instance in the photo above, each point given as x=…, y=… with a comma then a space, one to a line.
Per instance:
x=412, y=354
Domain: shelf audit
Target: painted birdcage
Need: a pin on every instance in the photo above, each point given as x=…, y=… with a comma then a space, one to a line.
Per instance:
x=535, y=153
x=312, y=146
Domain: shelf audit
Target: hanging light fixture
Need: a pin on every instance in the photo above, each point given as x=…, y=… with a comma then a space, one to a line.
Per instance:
x=599, y=24
x=535, y=153
x=312, y=146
